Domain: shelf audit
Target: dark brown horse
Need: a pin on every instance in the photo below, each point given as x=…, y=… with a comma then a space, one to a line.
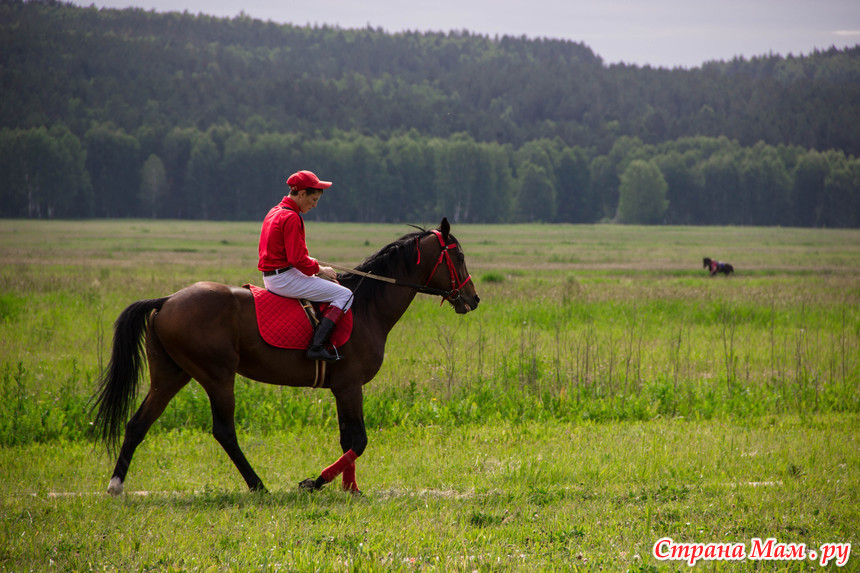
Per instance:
x=714, y=266
x=208, y=331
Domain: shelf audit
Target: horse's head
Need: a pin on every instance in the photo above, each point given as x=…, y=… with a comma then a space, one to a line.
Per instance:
x=706, y=262
x=449, y=272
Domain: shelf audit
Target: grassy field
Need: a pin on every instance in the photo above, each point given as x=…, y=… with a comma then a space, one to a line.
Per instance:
x=490, y=497
x=607, y=393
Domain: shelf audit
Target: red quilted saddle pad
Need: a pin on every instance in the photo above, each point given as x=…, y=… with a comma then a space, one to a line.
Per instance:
x=283, y=323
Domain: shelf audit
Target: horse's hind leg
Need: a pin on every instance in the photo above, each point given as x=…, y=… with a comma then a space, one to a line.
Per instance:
x=223, y=402
x=166, y=379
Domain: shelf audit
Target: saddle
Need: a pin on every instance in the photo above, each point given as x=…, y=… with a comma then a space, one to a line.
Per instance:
x=290, y=323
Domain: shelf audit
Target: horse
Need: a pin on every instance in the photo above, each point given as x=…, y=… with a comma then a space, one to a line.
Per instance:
x=208, y=332
x=715, y=266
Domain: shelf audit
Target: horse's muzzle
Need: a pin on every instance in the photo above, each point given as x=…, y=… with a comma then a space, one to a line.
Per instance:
x=466, y=304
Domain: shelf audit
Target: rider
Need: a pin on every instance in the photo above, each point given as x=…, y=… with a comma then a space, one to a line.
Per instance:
x=287, y=268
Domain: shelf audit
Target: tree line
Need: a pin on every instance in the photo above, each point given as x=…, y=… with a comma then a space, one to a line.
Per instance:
x=116, y=113
x=229, y=174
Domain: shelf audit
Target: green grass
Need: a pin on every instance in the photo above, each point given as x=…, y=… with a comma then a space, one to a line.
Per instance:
x=606, y=393
x=533, y=496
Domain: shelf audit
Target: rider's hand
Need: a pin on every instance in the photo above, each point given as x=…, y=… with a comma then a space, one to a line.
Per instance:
x=327, y=273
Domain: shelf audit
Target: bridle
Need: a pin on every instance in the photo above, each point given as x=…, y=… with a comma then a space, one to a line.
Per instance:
x=456, y=283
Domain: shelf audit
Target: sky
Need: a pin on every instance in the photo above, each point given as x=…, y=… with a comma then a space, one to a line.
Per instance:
x=659, y=33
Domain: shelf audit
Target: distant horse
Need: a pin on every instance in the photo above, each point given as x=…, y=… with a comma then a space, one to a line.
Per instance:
x=208, y=331
x=715, y=267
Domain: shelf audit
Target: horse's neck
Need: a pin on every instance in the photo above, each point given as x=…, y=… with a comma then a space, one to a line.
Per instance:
x=389, y=308
x=390, y=302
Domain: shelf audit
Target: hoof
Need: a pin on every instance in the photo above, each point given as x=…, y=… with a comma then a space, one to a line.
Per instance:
x=115, y=487
x=308, y=485
x=312, y=484
x=352, y=487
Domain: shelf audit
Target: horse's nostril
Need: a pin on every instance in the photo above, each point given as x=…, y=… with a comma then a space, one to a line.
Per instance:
x=477, y=299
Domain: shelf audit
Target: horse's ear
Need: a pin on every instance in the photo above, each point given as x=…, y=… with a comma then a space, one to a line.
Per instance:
x=444, y=228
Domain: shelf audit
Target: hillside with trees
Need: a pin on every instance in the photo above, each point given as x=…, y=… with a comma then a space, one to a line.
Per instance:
x=129, y=113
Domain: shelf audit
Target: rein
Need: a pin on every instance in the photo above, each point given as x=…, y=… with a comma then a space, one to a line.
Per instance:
x=419, y=288
x=450, y=295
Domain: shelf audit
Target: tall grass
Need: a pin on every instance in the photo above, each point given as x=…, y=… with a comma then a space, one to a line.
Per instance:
x=575, y=324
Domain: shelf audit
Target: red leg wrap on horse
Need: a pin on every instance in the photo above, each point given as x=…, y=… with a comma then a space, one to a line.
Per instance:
x=334, y=470
x=349, y=479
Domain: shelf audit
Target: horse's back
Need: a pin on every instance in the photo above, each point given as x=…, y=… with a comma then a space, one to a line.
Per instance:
x=200, y=322
x=204, y=301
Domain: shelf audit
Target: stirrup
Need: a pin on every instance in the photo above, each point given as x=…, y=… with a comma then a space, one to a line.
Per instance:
x=322, y=353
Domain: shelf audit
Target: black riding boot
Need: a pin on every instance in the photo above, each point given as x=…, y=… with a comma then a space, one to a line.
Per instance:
x=319, y=347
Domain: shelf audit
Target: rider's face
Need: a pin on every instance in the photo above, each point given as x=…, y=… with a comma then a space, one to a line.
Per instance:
x=307, y=199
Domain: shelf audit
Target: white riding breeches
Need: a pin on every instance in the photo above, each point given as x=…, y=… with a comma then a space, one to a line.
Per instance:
x=293, y=283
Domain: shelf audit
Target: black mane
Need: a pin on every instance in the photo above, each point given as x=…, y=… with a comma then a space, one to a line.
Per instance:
x=390, y=261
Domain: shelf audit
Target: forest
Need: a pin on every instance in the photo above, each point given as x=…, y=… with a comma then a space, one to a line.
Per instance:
x=133, y=113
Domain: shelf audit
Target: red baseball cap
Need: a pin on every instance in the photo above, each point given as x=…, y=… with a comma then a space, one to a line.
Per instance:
x=307, y=180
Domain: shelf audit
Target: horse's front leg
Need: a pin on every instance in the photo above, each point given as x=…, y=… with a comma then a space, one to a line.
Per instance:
x=353, y=440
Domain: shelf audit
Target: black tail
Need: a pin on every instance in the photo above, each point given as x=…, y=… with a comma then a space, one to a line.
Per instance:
x=118, y=385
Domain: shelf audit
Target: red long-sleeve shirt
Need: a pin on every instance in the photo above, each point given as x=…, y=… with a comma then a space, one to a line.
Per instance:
x=282, y=240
